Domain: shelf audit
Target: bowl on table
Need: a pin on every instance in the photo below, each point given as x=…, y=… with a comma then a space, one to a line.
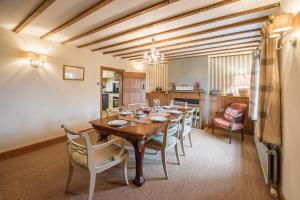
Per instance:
x=140, y=114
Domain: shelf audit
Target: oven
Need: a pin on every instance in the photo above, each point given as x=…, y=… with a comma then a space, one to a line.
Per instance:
x=116, y=102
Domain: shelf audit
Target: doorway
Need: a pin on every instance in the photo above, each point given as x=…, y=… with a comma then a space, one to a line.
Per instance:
x=111, y=80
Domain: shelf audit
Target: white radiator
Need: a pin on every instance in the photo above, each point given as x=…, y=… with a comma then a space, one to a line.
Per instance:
x=268, y=157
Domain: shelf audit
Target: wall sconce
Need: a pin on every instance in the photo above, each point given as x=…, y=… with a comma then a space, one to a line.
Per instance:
x=284, y=29
x=36, y=60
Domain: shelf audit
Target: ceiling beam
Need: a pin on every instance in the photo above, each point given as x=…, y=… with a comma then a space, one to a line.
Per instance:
x=267, y=7
x=198, y=40
x=195, y=50
x=235, y=52
x=229, y=45
x=219, y=28
x=158, y=22
x=218, y=51
x=212, y=54
x=78, y=17
x=205, y=52
x=193, y=46
x=223, y=54
x=122, y=19
x=33, y=15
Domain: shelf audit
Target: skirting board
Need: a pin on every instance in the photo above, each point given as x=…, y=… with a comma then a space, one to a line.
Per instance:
x=32, y=147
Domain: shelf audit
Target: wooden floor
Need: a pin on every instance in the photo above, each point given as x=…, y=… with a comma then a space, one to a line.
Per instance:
x=211, y=170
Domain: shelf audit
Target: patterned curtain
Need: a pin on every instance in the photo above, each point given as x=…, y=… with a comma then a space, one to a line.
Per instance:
x=268, y=124
x=254, y=86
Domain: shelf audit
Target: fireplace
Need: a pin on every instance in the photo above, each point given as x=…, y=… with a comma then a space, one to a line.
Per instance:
x=189, y=101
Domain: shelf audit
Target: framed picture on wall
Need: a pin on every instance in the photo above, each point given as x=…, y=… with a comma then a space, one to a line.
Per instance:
x=73, y=73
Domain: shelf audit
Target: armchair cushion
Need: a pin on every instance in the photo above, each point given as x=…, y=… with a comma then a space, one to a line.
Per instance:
x=101, y=157
x=223, y=123
x=235, y=112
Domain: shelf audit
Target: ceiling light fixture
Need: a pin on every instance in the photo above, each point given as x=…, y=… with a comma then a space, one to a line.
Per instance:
x=155, y=57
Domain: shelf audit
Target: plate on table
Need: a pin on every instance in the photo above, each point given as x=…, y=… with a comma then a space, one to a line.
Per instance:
x=124, y=113
x=158, y=119
x=167, y=107
x=117, y=123
x=175, y=112
x=170, y=107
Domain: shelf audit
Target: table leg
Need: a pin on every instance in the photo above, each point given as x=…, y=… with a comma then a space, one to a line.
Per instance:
x=139, y=148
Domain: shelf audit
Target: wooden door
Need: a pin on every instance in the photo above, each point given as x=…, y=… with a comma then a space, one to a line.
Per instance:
x=134, y=88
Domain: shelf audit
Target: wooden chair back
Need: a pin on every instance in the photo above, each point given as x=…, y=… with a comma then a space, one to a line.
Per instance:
x=134, y=106
x=114, y=111
x=71, y=143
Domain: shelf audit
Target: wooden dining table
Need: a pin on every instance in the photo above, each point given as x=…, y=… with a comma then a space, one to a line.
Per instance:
x=137, y=134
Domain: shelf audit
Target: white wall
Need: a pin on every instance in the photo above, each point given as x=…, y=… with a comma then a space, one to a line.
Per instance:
x=290, y=172
x=34, y=102
x=188, y=71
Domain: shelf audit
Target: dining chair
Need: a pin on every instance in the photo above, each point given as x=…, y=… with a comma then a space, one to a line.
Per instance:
x=93, y=158
x=114, y=111
x=134, y=106
x=231, y=120
x=165, y=140
x=186, y=128
x=144, y=105
x=196, y=115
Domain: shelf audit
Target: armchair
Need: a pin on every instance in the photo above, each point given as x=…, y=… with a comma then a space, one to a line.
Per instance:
x=93, y=158
x=232, y=119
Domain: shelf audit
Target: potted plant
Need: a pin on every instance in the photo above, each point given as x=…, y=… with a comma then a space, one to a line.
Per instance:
x=173, y=85
x=197, y=86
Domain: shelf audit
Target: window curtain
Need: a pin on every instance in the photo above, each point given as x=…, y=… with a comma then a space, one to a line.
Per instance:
x=268, y=124
x=223, y=70
x=157, y=76
x=254, y=86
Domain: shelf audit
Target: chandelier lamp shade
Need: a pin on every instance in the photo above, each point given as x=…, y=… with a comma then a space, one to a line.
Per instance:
x=154, y=57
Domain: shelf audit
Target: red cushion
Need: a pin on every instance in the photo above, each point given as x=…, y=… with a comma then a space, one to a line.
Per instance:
x=235, y=112
x=223, y=123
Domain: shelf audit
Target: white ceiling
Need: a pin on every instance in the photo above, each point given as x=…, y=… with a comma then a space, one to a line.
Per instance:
x=14, y=11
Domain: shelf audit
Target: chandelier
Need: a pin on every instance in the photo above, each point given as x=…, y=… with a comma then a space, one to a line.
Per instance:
x=154, y=57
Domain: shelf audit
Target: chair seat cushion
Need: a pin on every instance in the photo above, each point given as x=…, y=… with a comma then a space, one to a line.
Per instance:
x=101, y=157
x=223, y=123
x=186, y=131
x=159, y=139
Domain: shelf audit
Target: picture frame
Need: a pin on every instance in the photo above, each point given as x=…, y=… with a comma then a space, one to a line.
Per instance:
x=73, y=73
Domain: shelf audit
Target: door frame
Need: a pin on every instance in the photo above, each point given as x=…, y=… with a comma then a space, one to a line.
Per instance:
x=119, y=71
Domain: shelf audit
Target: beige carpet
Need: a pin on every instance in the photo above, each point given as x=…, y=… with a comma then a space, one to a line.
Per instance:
x=211, y=170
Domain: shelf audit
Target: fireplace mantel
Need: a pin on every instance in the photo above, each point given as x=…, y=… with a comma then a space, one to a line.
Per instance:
x=166, y=97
